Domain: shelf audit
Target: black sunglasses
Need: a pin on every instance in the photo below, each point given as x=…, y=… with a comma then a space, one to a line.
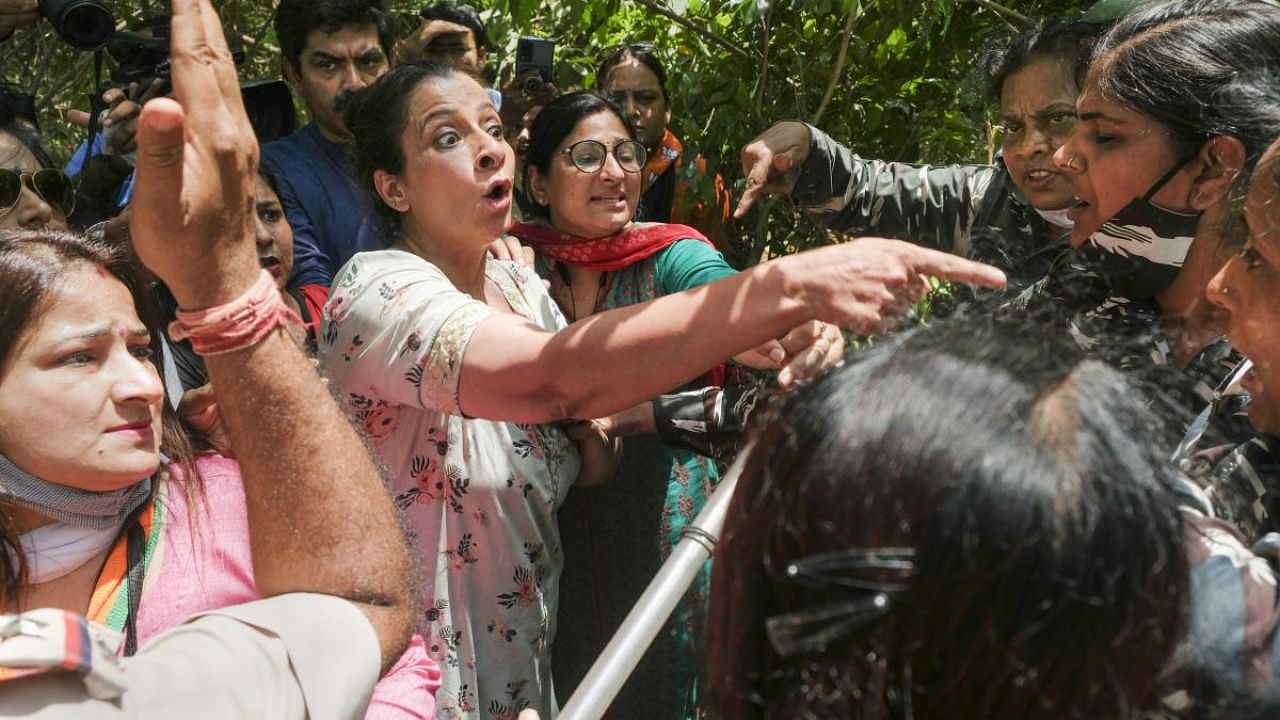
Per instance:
x=52, y=185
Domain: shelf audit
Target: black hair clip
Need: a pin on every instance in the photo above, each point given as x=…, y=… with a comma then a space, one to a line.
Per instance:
x=842, y=567
x=814, y=629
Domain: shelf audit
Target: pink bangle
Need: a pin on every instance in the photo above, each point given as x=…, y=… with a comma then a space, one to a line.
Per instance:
x=235, y=325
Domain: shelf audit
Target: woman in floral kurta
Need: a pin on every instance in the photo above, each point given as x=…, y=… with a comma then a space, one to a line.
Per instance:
x=418, y=336
x=479, y=496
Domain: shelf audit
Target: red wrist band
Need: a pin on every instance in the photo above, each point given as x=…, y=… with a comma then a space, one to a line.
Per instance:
x=235, y=325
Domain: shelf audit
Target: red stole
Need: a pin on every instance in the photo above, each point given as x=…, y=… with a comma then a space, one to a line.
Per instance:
x=609, y=253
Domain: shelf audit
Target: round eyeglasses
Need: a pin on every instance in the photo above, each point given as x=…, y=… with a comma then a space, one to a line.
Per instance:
x=52, y=185
x=590, y=155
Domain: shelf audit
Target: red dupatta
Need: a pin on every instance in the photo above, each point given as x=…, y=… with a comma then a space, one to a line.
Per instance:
x=609, y=253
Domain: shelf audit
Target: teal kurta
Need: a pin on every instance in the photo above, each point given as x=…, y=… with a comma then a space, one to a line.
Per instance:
x=616, y=536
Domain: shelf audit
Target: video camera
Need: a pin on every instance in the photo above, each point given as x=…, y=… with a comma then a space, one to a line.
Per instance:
x=142, y=58
x=86, y=24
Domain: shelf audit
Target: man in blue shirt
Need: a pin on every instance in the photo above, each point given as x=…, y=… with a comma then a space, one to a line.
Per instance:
x=330, y=49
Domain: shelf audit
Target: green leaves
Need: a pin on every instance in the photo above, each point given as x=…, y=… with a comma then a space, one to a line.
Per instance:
x=905, y=90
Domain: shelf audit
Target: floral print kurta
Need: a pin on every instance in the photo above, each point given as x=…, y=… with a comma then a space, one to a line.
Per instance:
x=479, y=496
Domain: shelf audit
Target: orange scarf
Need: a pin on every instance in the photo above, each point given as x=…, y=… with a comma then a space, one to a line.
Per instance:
x=669, y=150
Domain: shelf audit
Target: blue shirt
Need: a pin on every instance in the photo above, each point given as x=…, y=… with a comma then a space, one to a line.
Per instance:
x=76, y=164
x=331, y=216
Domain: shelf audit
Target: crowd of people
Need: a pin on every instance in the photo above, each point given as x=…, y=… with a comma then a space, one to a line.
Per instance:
x=395, y=415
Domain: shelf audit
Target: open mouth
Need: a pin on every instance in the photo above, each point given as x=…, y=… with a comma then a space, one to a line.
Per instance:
x=500, y=191
x=609, y=199
x=1039, y=178
x=271, y=264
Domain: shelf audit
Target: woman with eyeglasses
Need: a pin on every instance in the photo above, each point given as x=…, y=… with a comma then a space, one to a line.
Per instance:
x=33, y=194
x=464, y=371
x=584, y=174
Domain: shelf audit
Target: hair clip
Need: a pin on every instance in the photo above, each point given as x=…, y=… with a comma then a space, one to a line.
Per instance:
x=838, y=568
x=814, y=629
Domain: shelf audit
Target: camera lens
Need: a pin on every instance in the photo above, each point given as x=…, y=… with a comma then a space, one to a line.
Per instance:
x=86, y=24
x=533, y=84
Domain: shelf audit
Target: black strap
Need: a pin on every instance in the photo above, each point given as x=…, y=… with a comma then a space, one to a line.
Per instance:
x=1172, y=171
x=93, y=113
x=137, y=567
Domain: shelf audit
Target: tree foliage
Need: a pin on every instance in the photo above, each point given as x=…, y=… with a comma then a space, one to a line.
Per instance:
x=893, y=79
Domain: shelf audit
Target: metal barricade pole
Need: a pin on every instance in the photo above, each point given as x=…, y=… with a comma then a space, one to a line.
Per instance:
x=610, y=671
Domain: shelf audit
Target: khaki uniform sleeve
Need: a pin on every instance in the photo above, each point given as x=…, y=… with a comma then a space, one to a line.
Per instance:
x=293, y=656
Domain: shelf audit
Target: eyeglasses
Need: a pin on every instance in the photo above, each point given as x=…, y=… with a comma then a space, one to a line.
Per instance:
x=590, y=155
x=52, y=185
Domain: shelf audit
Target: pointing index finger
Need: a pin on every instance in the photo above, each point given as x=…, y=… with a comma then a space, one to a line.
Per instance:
x=755, y=162
x=953, y=267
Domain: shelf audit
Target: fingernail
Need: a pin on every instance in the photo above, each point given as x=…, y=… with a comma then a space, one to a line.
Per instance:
x=785, y=377
x=777, y=354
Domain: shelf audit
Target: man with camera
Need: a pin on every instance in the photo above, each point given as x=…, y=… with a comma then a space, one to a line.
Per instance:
x=329, y=49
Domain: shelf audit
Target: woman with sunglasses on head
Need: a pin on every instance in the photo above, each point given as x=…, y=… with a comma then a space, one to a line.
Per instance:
x=466, y=370
x=33, y=194
x=584, y=174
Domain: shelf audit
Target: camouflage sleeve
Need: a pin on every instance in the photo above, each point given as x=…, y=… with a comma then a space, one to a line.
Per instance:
x=933, y=206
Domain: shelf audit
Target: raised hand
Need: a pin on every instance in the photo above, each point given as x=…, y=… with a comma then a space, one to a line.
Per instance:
x=772, y=162
x=192, y=221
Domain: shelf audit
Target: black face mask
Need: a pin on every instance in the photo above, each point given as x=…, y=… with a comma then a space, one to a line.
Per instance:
x=1140, y=250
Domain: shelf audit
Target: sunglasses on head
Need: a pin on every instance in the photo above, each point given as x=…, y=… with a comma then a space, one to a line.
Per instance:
x=52, y=185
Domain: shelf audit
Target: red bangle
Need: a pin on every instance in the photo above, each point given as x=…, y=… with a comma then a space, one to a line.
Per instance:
x=235, y=325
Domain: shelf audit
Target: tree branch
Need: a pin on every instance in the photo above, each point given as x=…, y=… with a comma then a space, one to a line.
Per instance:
x=693, y=27
x=763, y=79
x=841, y=56
x=1008, y=13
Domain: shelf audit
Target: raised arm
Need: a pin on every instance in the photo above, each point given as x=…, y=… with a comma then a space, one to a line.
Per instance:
x=320, y=518
x=933, y=206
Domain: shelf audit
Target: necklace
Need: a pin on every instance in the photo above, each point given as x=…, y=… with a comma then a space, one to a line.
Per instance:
x=563, y=270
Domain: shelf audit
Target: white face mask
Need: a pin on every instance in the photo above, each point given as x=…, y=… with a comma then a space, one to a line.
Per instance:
x=1056, y=217
x=54, y=550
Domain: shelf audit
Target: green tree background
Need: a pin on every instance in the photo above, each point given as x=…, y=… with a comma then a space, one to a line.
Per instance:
x=891, y=78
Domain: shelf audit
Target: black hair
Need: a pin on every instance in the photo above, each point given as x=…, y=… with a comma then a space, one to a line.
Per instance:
x=1194, y=66
x=1070, y=41
x=30, y=139
x=269, y=179
x=376, y=117
x=15, y=102
x=1025, y=488
x=464, y=15
x=296, y=19
x=644, y=53
x=555, y=122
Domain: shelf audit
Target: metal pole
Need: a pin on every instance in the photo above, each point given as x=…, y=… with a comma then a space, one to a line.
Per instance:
x=614, y=666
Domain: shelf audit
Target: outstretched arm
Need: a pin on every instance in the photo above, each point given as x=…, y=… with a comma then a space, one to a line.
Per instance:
x=320, y=518
x=514, y=370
